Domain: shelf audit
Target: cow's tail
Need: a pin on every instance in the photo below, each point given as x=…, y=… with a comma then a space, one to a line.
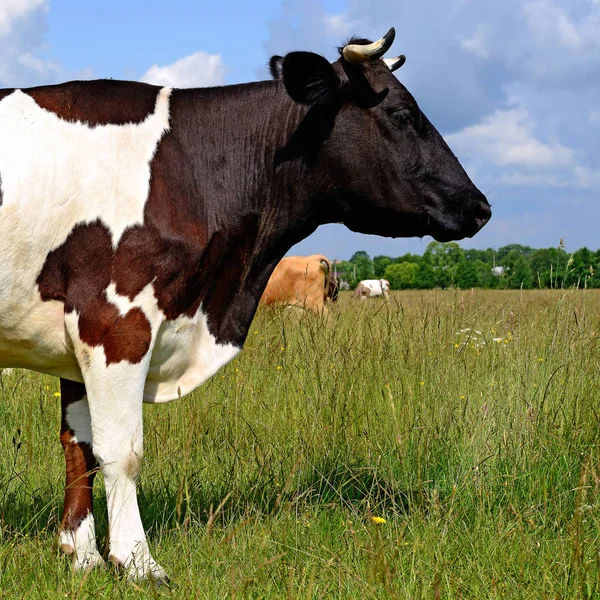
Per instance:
x=326, y=266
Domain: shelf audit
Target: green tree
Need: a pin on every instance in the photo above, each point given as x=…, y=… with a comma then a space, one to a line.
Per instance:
x=516, y=249
x=363, y=264
x=444, y=254
x=401, y=276
x=380, y=264
x=486, y=256
x=578, y=270
x=443, y=277
x=345, y=272
x=466, y=275
x=425, y=276
x=408, y=257
x=520, y=275
x=548, y=267
x=484, y=274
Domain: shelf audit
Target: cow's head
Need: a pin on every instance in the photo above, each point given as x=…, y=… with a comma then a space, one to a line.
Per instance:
x=390, y=170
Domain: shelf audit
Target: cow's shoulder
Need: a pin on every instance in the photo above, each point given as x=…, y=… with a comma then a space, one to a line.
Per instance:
x=99, y=102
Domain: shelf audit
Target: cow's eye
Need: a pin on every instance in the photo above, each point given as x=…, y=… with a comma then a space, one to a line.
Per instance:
x=402, y=116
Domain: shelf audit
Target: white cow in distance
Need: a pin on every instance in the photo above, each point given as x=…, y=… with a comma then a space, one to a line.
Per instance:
x=372, y=288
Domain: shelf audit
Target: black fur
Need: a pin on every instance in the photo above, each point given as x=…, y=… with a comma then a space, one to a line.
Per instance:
x=276, y=67
x=310, y=79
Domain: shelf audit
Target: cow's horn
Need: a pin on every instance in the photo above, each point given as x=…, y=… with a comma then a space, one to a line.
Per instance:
x=395, y=63
x=359, y=53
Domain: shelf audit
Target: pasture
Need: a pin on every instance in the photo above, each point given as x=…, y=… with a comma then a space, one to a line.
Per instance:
x=478, y=450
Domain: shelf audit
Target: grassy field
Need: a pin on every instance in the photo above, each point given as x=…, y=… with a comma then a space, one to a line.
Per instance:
x=479, y=450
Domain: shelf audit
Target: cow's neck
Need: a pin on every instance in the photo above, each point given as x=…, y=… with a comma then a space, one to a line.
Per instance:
x=232, y=194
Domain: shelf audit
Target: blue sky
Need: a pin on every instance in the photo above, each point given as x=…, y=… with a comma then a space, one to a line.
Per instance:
x=514, y=86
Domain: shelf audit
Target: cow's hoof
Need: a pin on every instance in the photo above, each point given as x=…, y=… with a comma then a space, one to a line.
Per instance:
x=88, y=561
x=147, y=570
x=81, y=545
x=66, y=539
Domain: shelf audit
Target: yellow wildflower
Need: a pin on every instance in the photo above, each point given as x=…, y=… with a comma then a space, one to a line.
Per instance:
x=378, y=520
x=57, y=394
x=279, y=367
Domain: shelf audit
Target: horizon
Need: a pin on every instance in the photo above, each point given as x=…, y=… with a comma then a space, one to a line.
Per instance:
x=560, y=246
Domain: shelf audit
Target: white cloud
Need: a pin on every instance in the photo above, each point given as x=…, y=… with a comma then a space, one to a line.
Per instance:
x=338, y=26
x=477, y=44
x=579, y=177
x=197, y=70
x=585, y=177
x=13, y=10
x=533, y=180
x=22, y=29
x=505, y=138
x=44, y=68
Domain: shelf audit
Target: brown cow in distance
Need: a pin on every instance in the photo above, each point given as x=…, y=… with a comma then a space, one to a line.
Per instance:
x=302, y=281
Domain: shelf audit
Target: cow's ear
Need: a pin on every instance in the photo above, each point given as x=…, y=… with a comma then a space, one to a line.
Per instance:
x=276, y=67
x=310, y=79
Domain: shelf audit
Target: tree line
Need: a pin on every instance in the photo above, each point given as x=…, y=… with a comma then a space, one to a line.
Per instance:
x=445, y=265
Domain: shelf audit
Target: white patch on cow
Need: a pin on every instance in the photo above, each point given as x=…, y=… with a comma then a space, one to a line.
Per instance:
x=82, y=543
x=185, y=355
x=144, y=300
x=56, y=174
x=78, y=420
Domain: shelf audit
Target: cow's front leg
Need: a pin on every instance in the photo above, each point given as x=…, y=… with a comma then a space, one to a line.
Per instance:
x=77, y=532
x=116, y=410
x=114, y=370
x=115, y=393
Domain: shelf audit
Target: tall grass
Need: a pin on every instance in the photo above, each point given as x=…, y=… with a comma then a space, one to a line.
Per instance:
x=469, y=421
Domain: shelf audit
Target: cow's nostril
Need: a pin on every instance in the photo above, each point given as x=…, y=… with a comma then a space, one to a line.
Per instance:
x=482, y=213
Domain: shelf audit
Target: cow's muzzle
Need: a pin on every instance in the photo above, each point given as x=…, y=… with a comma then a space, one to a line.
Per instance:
x=469, y=212
x=482, y=213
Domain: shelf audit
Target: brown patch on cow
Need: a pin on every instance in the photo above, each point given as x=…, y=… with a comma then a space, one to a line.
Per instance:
x=100, y=102
x=80, y=465
x=129, y=338
x=78, y=274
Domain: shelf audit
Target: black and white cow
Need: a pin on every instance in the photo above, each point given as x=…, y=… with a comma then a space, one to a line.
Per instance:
x=139, y=226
